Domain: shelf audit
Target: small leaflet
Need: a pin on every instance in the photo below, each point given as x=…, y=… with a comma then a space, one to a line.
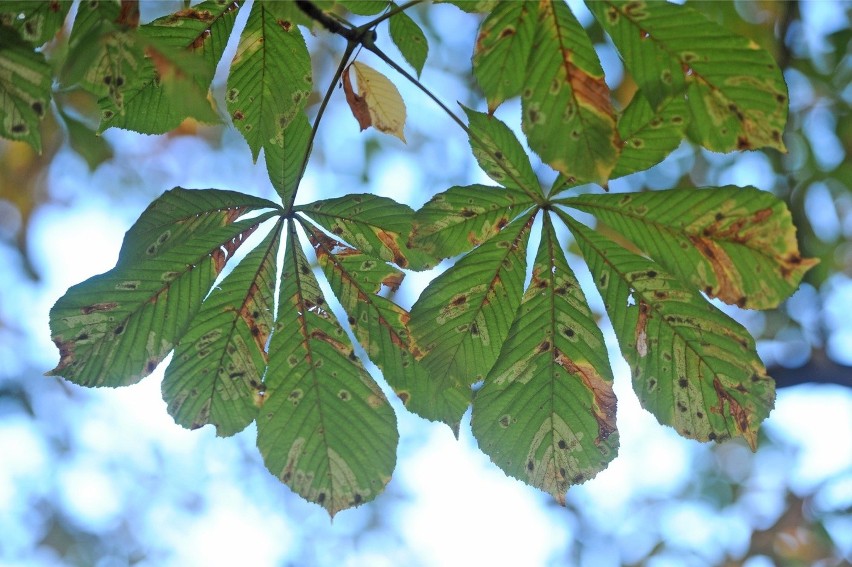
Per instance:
x=377, y=103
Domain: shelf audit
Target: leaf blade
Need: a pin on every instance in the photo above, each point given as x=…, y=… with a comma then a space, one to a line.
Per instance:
x=115, y=328
x=502, y=50
x=383, y=102
x=737, y=244
x=270, y=78
x=736, y=93
x=410, y=40
x=566, y=93
x=460, y=218
x=316, y=390
x=462, y=317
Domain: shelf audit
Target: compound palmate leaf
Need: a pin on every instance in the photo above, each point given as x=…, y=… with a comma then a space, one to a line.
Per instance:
x=325, y=428
x=693, y=367
x=734, y=243
x=217, y=371
x=546, y=413
x=115, y=328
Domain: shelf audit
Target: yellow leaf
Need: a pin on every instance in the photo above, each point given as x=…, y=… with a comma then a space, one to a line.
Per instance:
x=386, y=107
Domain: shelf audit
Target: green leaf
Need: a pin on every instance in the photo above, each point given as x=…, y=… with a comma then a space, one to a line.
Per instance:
x=409, y=39
x=503, y=49
x=25, y=79
x=201, y=31
x=735, y=92
x=37, y=22
x=375, y=225
x=365, y=7
x=83, y=140
x=180, y=215
x=649, y=135
x=460, y=218
x=463, y=316
x=325, y=429
x=693, y=367
x=737, y=244
x=567, y=114
x=218, y=366
x=500, y=154
x=472, y=6
x=546, y=413
x=103, y=57
x=270, y=78
x=183, y=50
x=381, y=327
x=286, y=156
x=165, y=82
x=115, y=328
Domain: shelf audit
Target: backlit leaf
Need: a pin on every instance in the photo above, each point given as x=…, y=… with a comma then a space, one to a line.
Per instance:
x=500, y=154
x=115, y=328
x=502, y=50
x=165, y=83
x=182, y=51
x=546, y=413
x=567, y=114
x=364, y=7
x=270, y=78
x=735, y=92
x=460, y=218
x=648, y=135
x=693, y=367
x=218, y=366
x=286, y=155
x=409, y=39
x=325, y=429
x=382, y=100
x=461, y=319
x=25, y=80
x=104, y=57
x=381, y=327
x=472, y=5
x=375, y=225
x=36, y=22
x=737, y=244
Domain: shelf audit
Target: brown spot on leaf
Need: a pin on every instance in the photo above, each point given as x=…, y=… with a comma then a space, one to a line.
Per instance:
x=403, y=397
x=106, y=306
x=604, y=401
x=736, y=411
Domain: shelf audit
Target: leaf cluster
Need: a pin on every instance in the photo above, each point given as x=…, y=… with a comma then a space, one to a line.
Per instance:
x=507, y=332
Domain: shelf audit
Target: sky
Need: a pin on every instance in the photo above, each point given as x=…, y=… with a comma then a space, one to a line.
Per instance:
x=449, y=504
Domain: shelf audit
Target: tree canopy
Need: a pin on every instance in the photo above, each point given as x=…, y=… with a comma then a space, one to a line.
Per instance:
x=507, y=328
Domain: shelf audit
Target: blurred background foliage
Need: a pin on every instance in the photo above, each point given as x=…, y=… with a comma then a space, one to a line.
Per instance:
x=105, y=478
